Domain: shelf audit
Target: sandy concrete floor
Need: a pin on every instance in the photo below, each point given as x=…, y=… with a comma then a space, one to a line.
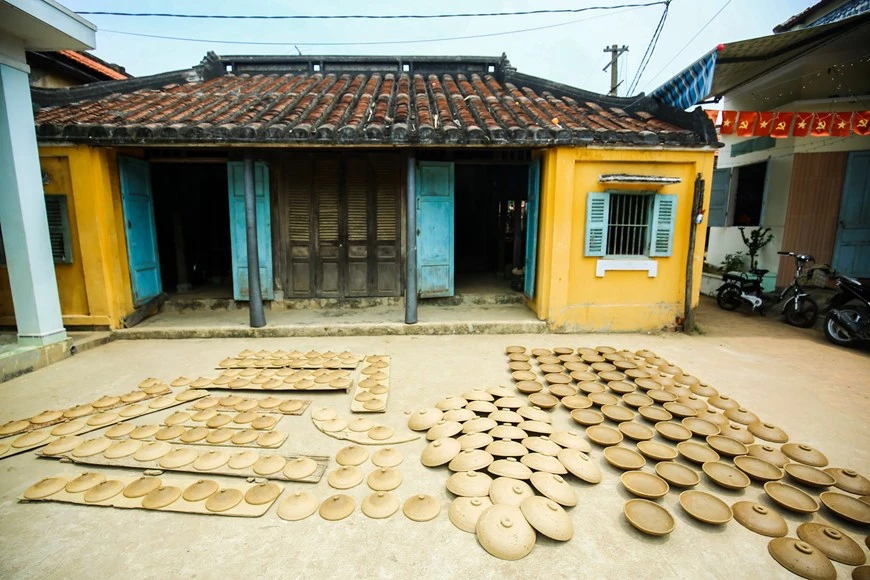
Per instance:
x=818, y=393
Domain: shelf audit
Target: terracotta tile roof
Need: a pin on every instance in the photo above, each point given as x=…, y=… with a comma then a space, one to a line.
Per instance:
x=86, y=61
x=460, y=107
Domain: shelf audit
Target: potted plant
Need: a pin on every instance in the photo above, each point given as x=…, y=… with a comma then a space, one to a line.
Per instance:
x=756, y=240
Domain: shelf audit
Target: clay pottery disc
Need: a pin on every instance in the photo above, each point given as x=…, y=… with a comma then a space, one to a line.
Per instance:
x=106, y=401
x=673, y=431
x=536, y=428
x=245, y=437
x=245, y=417
x=131, y=411
x=540, y=462
x=737, y=432
x=194, y=435
x=584, y=375
x=759, y=519
x=569, y=440
x=84, y=482
x=220, y=436
x=677, y=474
x=519, y=366
x=440, y=451
x=352, y=455
x=518, y=357
x=723, y=402
x=297, y=506
x=384, y=479
x=624, y=458
x=716, y=418
x=657, y=451
x=90, y=447
x=587, y=417
x=200, y=490
x=243, y=460
x=767, y=432
x=850, y=508
x=523, y=376
x=324, y=414
x=68, y=428
x=648, y=517
x=805, y=454
x=421, y=508
x=636, y=431
x=120, y=449
x=269, y=464
x=167, y=433
x=654, y=414
x=469, y=484
x=705, y=507
x=161, y=497
x=801, y=558
x=380, y=505
x=119, y=431
x=700, y=427
x=647, y=384
x=679, y=409
x=363, y=396
x=506, y=416
x=539, y=352
x=470, y=460
x=580, y=465
x=507, y=432
x=686, y=380
x=76, y=412
x=473, y=441
x=509, y=491
x=161, y=402
x=465, y=511
x=218, y=420
x=661, y=396
x=515, y=349
x=769, y=453
x=290, y=406
x=178, y=458
x=543, y=445
x=477, y=395
x=333, y=425
x=833, y=543
x=101, y=419
x=548, y=518
x=44, y=488
x=211, y=460
x=44, y=417
x=726, y=445
x=554, y=487
x=459, y=415
x=645, y=485
x=225, y=499
x=177, y=418
x=506, y=448
x=264, y=422
x=103, y=491
x=636, y=400
x=725, y=475
x=741, y=415
x=617, y=413
x=263, y=493
x=62, y=445
x=481, y=407
x=543, y=400
x=300, y=468
x=791, y=498
x=849, y=480
x=603, y=435
x=201, y=382
x=510, y=467
x=535, y=414
x=345, y=477
x=703, y=390
x=601, y=399
x=693, y=401
x=577, y=402
x=511, y=403
x=529, y=387
x=697, y=452
x=504, y=532
x=443, y=429
x=500, y=391
x=621, y=387
x=135, y=396
x=758, y=469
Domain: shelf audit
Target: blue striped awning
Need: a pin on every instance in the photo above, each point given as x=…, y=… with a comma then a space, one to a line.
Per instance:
x=690, y=86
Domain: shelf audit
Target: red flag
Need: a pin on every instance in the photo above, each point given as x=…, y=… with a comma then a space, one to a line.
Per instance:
x=764, y=124
x=782, y=125
x=729, y=121
x=802, y=124
x=841, y=126
x=713, y=114
x=822, y=125
x=861, y=123
x=746, y=123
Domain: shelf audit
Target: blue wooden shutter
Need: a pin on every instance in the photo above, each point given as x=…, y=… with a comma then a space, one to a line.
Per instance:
x=597, y=214
x=717, y=215
x=139, y=225
x=238, y=234
x=662, y=232
x=532, y=206
x=435, y=255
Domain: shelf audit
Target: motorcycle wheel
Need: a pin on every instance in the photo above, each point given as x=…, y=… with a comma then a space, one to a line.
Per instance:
x=836, y=333
x=804, y=315
x=728, y=297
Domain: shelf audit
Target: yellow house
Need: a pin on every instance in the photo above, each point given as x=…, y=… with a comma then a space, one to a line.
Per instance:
x=372, y=178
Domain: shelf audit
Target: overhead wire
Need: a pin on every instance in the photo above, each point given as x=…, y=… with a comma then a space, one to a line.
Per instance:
x=650, y=49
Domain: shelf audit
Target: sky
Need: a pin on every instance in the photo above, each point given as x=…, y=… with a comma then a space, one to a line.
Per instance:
x=569, y=50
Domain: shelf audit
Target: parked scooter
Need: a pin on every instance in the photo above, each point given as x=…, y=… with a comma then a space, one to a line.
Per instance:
x=799, y=309
x=848, y=321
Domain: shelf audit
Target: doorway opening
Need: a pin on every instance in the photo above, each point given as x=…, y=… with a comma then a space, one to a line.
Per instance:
x=490, y=226
x=749, y=195
x=191, y=210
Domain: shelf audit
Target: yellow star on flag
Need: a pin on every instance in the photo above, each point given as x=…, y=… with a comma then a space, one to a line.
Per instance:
x=764, y=124
x=802, y=124
x=841, y=125
x=727, y=122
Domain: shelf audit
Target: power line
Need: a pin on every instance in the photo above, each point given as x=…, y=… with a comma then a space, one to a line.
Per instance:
x=362, y=16
x=650, y=49
x=680, y=52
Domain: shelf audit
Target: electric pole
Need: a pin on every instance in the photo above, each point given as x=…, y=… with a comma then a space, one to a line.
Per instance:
x=614, y=51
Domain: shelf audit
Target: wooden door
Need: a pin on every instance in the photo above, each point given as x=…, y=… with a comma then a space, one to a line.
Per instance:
x=532, y=215
x=138, y=204
x=852, y=245
x=238, y=229
x=435, y=259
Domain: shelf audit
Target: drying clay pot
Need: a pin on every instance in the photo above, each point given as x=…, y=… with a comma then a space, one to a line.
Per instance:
x=849, y=480
x=832, y=542
x=297, y=506
x=654, y=414
x=587, y=417
x=44, y=488
x=617, y=413
x=569, y=440
x=677, y=474
x=211, y=460
x=380, y=505
x=657, y=451
x=263, y=493
x=443, y=429
x=543, y=400
x=440, y=451
x=602, y=399
x=723, y=402
x=470, y=460
x=548, y=518
x=243, y=460
x=33, y=438
x=711, y=416
x=459, y=415
x=194, y=435
x=791, y=498
x=200, y=490
x=421, y=508
x=345, y=477
x=741, y=415
x=465, y=511
x=499, y=392
x=506, y=448
x=673, y=431
x=645, y=485
x=577, y=402
x=810, y=476
x=536, y=427
x=337, y=507
x=269, y=464
x=84, y=482
x=469, y=484
x=161, y=497
x=324, y=414
x=510, y=467
x=580, y=465
x=481, y=407
x=75, y=412
x=700, y=427
x=245, y=437
x=697, y=452
x=542, y=445
x=847, y=507
x=705, y=507
x=509, y=491
x=636, y=431
x=504, y=532
x=725, y=475
x=603, y=435
x=96, y=446
x=758, y=469
x=120, y=430
x=178, y=458
x=478, y=425
x=805, y=454
x=737, y=432
x=769, y=453
x=381, y=433
x=106, y=490
x=299, y=468
x=624, y=458
x=506, y=416
x=477, y=395
x=66, y=444
x=475, y=440
x=726, y=445
x=352, y=455
x=768, y=432
x=636, y=400
x=648, y=517
x=507, y=432
x=554, y=487
x=546, y=463
x=759, y=519
x=384, y=479
x=171, y=432
x=510, y=403
x=387, y=457
x=802, y=559
x=68, y=428
x=679, y=409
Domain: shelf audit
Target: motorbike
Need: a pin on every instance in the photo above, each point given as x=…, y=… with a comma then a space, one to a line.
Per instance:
x=848, y=321
x=799, y=308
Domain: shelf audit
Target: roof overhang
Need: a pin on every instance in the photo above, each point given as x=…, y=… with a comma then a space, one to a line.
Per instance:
x=45, y=25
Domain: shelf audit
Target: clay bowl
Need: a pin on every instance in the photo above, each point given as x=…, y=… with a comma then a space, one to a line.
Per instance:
x=725, y=475
x=677, y=474
x=791, y=498
x=847, y=507
x=705, y=507
x=643, y=484
x=648, y=517
x=624, y=458
x=758, y=469
x=808, y=475
x=656, y=451
x=587, y=417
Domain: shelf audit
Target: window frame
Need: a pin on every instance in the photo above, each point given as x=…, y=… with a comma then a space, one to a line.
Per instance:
x=66, y=235
x=660, y=225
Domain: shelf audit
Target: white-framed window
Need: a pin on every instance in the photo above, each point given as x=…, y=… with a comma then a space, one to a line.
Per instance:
x=630, y=224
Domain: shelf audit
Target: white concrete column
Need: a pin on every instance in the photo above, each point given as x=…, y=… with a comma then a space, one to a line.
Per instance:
x=23, y=219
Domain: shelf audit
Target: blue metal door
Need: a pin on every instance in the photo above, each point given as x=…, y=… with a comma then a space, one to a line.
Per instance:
x=532, y=211
x=138, y=205
x=434, y=229
x=852, y=246
x=238, y=237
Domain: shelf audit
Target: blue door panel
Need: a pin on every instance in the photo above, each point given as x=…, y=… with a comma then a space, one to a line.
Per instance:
x=532, y=211
x=238, y=236
x=435, y=262
x=138, y=205
x=852, y=245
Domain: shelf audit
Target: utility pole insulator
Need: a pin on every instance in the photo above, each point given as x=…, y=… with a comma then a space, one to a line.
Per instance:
x=615, y=51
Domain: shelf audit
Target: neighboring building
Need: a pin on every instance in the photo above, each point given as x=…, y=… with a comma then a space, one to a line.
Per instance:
x=591, y=195
x=67, y=68
x=812, y=191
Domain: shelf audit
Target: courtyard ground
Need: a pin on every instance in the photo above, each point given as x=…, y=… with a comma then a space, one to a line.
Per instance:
x=818, y=393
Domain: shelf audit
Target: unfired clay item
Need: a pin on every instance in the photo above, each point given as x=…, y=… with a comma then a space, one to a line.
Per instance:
x=380, y=505
x=120, y=430
x=421, y=508
x=300, y=468
x=297, y=506
x=791, y=498
x=459, y=415
x=769, y=453
x=726, y=445
x=384, y=479
x=580, y=465
x=507, y=432
x=645, y=485
x=32, y=438
x=700, y=427
x=673, y=431
x=345, y=477
x=832, y=542
x=657, y=451
x=577, y=402
x=617, y=413
x=469, y=484
x=541, y=462
x=211, y=460
x=847, y=507
x=624, y=458
x=440, y=451
x=200, y=490
x=548, y=518
x=768, y=432
x=725, y=475
x=849, y=480
x=636, y=400
x=161, y=497
x=479, y=425
x=65, y=444
x=677, y=474
x=741, y=415
x=587, y=417
x=337, y=507
x=697, y=452
x=470, y=460
x=387, y=457
x=443, y=429
x=648, y=517
x=805, y=454
x=603, y=435
x=506, y=448
x=758, y=469
x=801, y=558
x=737, y=432
x=679, y=409
x=45, y=488
x=759, y=519
x=506, y=416
x=705, y=507
x=510, y=467
x=106, y=490
x=269, y=464
x=352, y=455
x=465, y=511
x=660, y=396
x=475, y=440
x=504, y=532
x=810, y=476
x=178, y=457
x=91, y=447
x=554, y=487
x=506, y=490
x=723, y=402
x=543, y=400
x=84, y=482
x=569, y=440
x=263, y=493
x=636, y=431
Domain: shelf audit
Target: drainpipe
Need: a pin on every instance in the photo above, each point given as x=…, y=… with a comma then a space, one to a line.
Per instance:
x=697, y=218
x=255, y=294
x=411, y=243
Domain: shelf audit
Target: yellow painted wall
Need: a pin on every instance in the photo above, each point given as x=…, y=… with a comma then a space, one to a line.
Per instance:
x=568, y=293
x=95, y=289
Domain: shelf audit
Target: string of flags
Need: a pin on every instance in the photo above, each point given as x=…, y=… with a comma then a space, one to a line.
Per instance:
x=785, y=124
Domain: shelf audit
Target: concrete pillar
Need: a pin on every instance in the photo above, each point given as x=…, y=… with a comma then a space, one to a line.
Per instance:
x=23, y=219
